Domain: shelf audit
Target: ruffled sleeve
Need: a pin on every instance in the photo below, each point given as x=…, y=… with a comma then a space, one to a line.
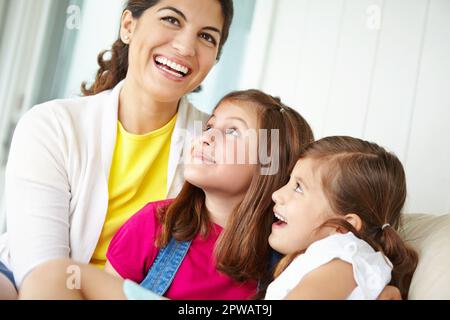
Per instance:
x=371, y=269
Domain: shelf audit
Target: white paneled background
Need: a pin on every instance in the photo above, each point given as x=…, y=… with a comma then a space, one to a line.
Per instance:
x=374, y=69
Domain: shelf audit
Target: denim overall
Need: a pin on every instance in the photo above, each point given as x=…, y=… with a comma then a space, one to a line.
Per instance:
x=165, y=266
x=167, y=262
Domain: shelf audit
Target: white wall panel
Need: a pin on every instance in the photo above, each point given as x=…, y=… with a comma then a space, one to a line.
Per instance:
x=285, y=48
x=390, y=85
x=428, y=153
x=317, y=60
x=356, y=57
x=395, y=76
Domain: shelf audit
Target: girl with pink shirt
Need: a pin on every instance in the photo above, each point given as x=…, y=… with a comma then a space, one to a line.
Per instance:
x=222, y=217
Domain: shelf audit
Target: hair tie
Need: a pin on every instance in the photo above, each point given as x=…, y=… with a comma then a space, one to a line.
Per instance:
x=385, y=226
x=282, y=110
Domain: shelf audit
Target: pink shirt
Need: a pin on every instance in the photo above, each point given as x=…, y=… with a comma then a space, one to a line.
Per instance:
x=132, y=252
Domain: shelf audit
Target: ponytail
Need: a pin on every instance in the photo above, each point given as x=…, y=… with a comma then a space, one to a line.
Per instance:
x=111, y=71
x=402, y=256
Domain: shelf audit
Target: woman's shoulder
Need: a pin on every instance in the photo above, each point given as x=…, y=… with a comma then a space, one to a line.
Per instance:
x=79, y=105
x=78, y=115
x=55, y=110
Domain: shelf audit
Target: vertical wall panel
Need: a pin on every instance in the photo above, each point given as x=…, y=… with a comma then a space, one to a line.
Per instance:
x=394, y=83
x=356, y=55
x=428, y=154
x=285, y=49
x=391, y=85
x=318, y=59
x=303, y=47
x=258, y=44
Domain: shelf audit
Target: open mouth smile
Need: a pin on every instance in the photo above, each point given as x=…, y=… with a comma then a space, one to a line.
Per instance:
x=173, y=68
x=281, y=221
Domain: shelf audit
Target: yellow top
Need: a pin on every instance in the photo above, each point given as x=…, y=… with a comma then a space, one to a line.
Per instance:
x=138, y=175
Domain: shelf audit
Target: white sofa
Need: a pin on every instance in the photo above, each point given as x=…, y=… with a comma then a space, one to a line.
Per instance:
x=430, y=236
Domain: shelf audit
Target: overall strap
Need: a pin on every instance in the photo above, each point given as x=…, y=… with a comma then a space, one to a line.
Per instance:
x=165, y=266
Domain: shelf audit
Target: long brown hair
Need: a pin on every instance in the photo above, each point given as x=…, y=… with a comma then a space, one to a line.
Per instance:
x=242, y=251
x=114, y=69
x=363, y=178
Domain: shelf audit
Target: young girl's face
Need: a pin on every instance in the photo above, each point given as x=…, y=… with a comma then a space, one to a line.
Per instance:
x=300, y=207
x=219, y=159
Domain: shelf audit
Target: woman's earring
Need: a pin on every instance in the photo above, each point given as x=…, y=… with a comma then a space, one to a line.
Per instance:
x=126, y=37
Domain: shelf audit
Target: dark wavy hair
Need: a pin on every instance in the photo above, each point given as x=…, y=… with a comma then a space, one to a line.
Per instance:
x=114, y=69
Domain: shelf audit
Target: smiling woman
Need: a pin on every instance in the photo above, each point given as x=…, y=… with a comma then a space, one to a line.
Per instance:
x=181, y=35
x=100, y=158
x=177, y=24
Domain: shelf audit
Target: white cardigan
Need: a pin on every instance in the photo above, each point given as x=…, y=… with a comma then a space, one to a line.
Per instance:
x=57, y=178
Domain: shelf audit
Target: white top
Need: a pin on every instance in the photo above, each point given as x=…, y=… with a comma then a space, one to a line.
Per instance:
x=57, y=177
x=371, y=270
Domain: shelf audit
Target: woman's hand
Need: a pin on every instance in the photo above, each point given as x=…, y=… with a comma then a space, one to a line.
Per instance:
x=7, y=290
x=390, y=293
x=52, y=281
x=110, y=269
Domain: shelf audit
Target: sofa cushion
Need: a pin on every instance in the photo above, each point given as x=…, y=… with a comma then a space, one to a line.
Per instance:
x=430, y=236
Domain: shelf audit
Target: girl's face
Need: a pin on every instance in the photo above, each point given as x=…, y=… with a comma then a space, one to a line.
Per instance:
x=219, y=160
x=173, y=46
x=300, y=207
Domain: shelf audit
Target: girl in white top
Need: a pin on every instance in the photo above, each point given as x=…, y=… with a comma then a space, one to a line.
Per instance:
x=337, y=221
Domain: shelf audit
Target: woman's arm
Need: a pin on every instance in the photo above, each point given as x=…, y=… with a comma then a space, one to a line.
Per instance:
x=332, y=281
x=7, y=290
x=37, y=193
x=390, y=293
x=67, y=280
x=110, y=269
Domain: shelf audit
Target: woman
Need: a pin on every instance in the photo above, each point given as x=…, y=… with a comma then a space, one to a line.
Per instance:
x=78, y=169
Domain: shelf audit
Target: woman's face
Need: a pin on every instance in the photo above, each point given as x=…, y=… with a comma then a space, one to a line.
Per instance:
x=173, y=46
x=221, y=159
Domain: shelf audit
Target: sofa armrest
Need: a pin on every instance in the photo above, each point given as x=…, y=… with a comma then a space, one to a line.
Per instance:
x=430, y=236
